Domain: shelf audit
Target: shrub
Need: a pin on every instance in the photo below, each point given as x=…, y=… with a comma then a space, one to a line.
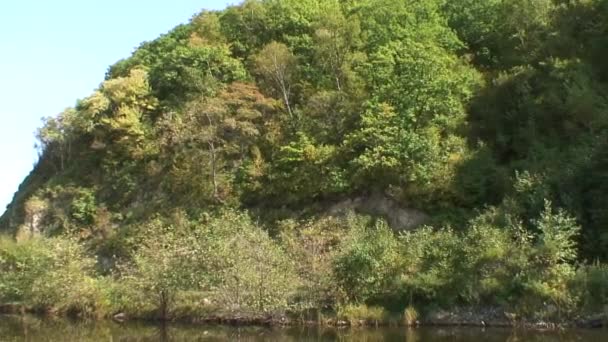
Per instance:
x=170, y=258
x=493, y=262
x=428, y=265
x=53, y=275
x=254, y=273
x=590, y=285
x=227, y=257
x=546, y=277
x=313, y=245
x=368, y=262
x=83, y=207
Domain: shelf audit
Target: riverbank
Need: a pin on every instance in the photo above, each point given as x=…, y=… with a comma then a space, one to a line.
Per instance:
x=461, y=317
x=31, y=328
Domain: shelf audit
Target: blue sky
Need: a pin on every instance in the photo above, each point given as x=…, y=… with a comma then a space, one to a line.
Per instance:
x=53, y=52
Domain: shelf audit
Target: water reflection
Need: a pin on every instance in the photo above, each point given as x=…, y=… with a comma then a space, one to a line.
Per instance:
x=17, y=328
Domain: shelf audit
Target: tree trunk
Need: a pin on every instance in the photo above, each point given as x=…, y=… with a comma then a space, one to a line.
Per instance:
x=338, y=83
x=163, y=305
x=211, y=145
x=285, y=92
x=213, y=170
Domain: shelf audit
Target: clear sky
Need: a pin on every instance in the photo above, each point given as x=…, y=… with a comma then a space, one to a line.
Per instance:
x=53, y=52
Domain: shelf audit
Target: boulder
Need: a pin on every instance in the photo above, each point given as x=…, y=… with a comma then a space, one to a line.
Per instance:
x=398, y=217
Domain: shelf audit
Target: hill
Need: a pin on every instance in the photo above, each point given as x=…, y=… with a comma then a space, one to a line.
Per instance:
x=253, y=156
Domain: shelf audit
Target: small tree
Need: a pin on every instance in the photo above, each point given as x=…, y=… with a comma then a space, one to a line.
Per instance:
x=57, y=134
x=254, y=272
x=169, y=260
x=313, y=246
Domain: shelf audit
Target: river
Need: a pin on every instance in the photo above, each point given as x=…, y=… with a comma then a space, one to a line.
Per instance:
x=17, y=328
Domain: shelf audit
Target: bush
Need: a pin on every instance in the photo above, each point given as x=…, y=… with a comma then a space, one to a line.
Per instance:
x=590, y=286
x=83, y=207
x=313, y=246
x=170, y=258
x=227, y=257
x=428, y=265
x=368, y=262
x=493, y=262
x=254, y=272
x=52, y=275
x=544, y=282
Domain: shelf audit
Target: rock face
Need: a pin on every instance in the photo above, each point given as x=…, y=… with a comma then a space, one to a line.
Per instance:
x=35, y=213
x=399, y=218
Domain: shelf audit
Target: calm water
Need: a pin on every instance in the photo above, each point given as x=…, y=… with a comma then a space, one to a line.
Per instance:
x=13, y=328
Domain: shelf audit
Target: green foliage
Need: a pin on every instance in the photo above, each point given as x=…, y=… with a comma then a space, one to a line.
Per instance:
x=307, y=169
x=590, y=286
x=84, y=208
x=408, y=135
x=166, y=261
x=53, y=275
x=335, y=40
x=490, y=264
x=227, y=259
x=193, y=69
x=389, y=21
x=479, y=178
x=313, y=246
x=548, y=271
x=254, y=272
x=367, y=261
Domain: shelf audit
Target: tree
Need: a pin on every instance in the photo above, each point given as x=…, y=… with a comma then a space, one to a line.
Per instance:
x=409, y=131
x=275, y=63
x=193, y=69
x=384, y=22
x=227, y=126
x=255, y=273
x=476, y=24
x=303, y=170
x=524, y=26
x=57, y=134
x=169, y=258
x=207, y=29
x=550, y=268
x=335, y=40
x=116, y=113
x=246, y=27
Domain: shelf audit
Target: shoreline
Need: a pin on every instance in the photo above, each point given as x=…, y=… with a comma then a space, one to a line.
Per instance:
x=442, y=318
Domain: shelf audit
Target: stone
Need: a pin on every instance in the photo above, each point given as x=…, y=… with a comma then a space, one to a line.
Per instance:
x=399, y=218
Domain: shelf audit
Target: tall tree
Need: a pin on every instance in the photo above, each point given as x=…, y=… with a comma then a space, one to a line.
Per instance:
x=226, y=125
x=276, y=64
x=335, y=39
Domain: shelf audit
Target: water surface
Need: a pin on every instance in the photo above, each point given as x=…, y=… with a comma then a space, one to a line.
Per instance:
x=16, y=328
